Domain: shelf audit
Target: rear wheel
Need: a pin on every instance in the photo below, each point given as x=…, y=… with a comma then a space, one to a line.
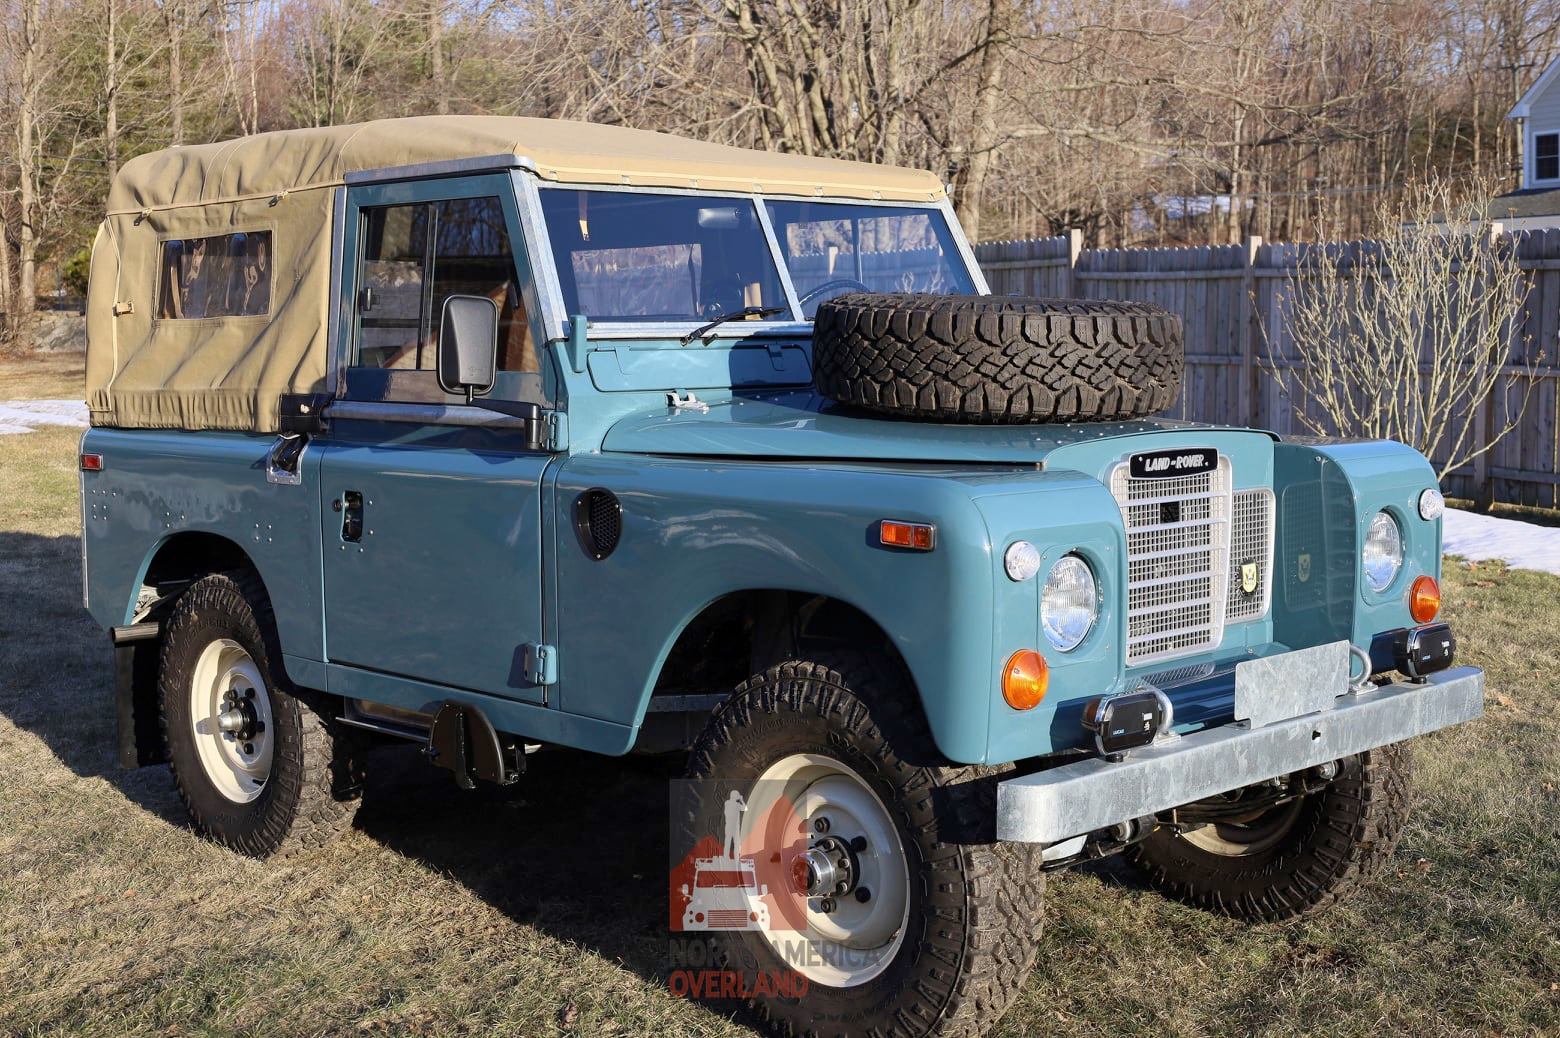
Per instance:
x=258, y=766
x=1287, y=859
x=888, y=893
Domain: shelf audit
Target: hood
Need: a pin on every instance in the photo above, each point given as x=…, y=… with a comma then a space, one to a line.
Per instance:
x=802, y=425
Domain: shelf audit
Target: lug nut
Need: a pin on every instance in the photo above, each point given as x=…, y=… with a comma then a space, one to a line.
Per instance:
x=826, y=905
x=821, y=825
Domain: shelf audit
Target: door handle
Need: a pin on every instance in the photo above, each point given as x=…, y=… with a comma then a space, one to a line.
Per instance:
x=351, y=507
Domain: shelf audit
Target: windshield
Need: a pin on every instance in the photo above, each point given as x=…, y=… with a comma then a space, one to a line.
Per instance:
x=625, y=256
x=831, y=248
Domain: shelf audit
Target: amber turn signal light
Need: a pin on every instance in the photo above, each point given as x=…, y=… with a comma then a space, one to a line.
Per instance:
x=1025, y=679
x=1424, y=600
x=915, y=536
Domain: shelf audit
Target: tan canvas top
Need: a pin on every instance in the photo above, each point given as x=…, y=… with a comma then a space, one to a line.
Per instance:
x=192, y=366
x=564, y=150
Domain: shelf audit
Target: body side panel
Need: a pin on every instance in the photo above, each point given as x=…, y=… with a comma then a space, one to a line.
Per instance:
x=156, y=484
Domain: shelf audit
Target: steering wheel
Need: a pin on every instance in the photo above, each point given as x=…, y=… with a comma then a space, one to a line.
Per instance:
x=829, y=286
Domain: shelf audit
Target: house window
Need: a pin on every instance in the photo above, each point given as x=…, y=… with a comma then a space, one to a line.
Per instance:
x=1546, y=156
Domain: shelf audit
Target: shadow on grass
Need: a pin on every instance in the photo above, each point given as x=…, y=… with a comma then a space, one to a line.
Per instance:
x=578, y=848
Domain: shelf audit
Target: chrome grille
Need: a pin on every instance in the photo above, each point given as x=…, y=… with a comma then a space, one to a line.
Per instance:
x=1177, y=560
x=1251, y=543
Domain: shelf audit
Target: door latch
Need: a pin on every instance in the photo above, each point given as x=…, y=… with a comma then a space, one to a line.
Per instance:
x=351, y=507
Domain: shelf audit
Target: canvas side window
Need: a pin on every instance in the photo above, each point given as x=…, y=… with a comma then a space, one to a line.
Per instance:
x=228, y=275
x=416, y=256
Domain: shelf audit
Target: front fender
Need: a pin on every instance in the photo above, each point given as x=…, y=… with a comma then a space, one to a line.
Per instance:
x=696, y=530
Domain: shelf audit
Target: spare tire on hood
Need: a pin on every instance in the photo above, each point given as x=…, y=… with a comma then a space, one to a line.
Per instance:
x=997, y=359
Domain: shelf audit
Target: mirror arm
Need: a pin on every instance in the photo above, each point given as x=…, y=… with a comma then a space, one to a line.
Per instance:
x=531, y=414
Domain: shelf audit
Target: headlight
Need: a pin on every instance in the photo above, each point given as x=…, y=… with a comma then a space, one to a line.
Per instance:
x=1383, y=554
x=1431, y=504
x=1069, y=603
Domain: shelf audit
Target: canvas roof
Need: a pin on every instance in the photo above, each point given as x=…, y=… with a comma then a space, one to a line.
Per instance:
x=268, y=164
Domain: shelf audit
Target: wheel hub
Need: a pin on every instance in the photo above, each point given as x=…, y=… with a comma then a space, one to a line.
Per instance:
x=826, y=869
x=239, y=720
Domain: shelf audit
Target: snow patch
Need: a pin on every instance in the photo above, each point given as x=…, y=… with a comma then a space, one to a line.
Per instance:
x=20, y=416
x=1521, y=545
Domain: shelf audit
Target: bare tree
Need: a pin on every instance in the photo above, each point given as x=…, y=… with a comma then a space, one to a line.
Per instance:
x=1409, y=337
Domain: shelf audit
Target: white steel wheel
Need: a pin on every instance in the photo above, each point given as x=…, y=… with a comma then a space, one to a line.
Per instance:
x=230, y=714
x=854, y=873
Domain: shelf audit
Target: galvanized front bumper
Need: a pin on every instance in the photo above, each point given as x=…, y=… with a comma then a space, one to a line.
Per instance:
x=1075, y=799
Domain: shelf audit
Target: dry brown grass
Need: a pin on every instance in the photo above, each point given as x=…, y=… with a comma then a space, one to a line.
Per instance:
x=543, y=913
x=45, y=376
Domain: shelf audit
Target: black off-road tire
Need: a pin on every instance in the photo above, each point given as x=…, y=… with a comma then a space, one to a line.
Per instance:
x=997, y=360
x=316, y=775
x=975, y=905
x=1340, y=837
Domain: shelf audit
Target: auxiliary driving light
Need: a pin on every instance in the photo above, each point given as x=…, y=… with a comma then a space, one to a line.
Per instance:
x=1025, y=679
x=1122, y=722
x=1424, y=600
x=1424, y=650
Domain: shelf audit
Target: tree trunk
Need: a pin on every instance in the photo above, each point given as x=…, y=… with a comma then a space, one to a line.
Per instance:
x=441, y=86
x=27, y=172
x=971, y=185
x=174, y=23
x=111, y=90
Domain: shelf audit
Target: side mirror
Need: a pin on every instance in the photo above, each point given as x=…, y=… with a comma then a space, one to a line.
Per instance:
x=468, y=345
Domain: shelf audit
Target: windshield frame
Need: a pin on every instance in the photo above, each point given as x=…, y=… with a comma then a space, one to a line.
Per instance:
x=528, y=188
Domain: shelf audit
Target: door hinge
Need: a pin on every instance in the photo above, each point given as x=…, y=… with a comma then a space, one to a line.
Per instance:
x=557, y=431
x=541, y=664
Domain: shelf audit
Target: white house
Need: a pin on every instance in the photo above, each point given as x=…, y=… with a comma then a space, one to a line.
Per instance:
x=1536, y=204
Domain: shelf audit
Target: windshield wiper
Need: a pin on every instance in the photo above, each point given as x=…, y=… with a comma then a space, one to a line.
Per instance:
x=735, y=315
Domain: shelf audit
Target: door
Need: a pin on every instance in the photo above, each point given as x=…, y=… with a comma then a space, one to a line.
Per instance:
x=433, y=528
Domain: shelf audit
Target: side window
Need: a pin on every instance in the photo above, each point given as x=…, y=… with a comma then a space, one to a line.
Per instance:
x=228, y=275
x=416, y=256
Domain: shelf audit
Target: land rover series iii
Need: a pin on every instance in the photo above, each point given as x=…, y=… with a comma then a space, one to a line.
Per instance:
x=499, y=434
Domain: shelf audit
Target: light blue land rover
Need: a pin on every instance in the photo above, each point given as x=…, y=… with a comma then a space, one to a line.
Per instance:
x=504, y=435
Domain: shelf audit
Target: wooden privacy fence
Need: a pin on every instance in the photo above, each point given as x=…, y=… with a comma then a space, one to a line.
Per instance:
x=1230, y=299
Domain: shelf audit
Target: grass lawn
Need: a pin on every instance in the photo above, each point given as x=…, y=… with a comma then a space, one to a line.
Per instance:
x=543, y=913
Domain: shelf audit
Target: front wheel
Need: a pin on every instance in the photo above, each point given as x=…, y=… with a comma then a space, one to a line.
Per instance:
x=852, y=860
x=1292, y=858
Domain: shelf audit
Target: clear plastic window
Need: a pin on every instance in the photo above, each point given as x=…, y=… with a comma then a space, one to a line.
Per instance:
x=228, y=275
